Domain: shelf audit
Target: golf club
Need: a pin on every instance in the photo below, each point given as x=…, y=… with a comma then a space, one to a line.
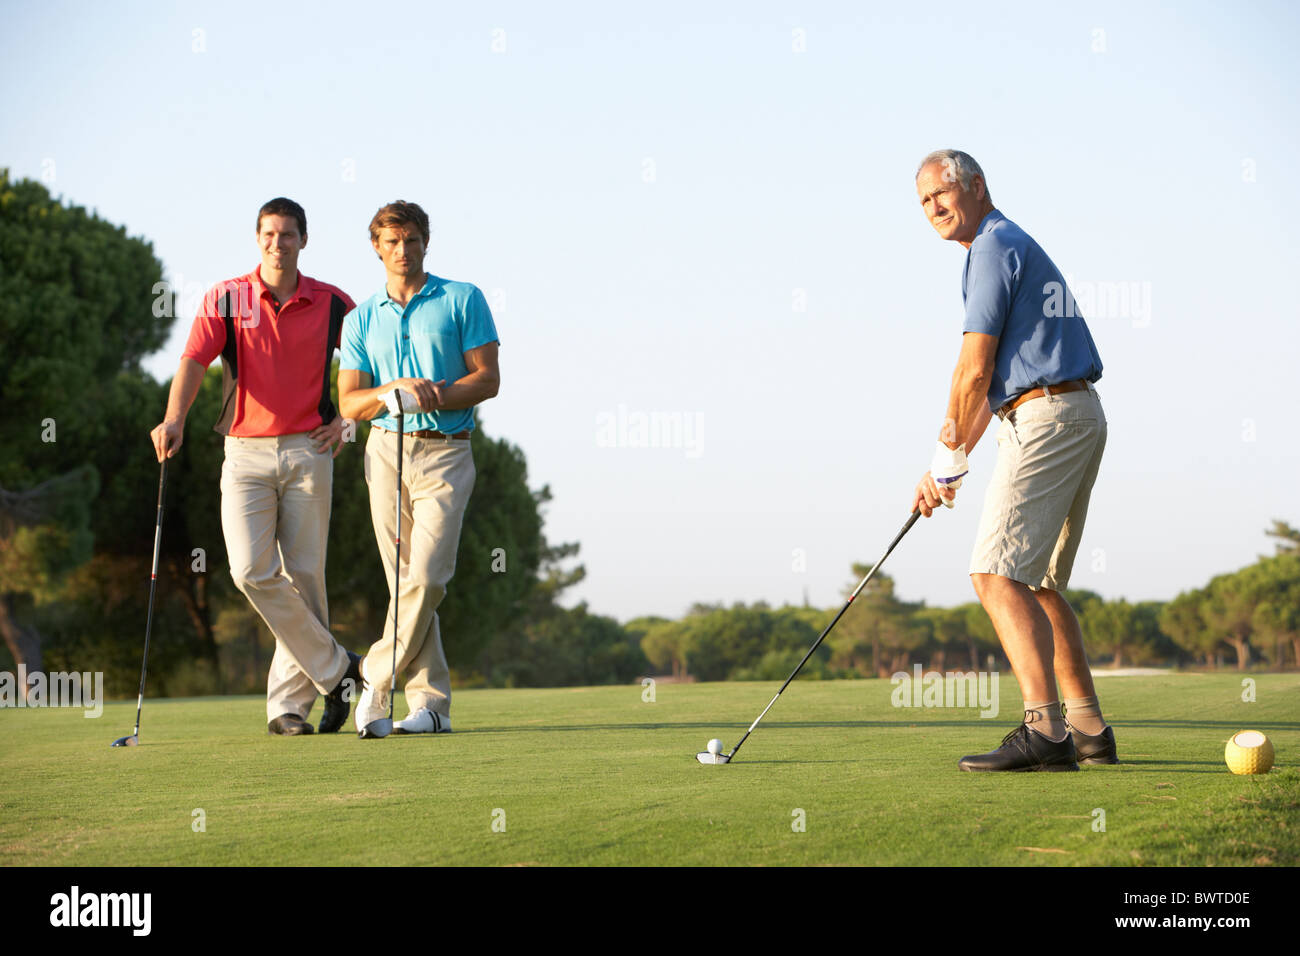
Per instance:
x=706, y=756
x=384, y=725
x=134, y=739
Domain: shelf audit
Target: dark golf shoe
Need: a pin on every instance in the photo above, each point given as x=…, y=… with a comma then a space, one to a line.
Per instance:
x=1024, y=750
x=1098, y=748
x=339, y=701
x=288, y=725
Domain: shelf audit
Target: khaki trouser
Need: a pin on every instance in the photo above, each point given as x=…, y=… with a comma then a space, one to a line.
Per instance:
x=275, y=512
x=437, y=478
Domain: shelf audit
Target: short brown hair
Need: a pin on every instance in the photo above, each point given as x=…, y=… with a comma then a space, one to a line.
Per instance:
x=283, y=207
x=400, y=213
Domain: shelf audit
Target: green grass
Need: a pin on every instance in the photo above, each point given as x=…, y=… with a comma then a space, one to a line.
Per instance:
x=597, y=776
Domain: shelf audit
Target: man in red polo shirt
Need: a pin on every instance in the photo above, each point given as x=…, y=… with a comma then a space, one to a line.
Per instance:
x=276, y=331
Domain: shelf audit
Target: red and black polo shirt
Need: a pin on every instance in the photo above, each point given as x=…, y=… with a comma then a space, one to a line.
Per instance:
x=275, y=356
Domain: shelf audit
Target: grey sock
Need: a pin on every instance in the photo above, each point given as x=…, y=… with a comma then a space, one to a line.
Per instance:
x=1045, y=718
x=1085, y=715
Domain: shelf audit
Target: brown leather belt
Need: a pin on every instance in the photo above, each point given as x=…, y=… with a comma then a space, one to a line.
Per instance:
x=1077, y=385
x=428, y=433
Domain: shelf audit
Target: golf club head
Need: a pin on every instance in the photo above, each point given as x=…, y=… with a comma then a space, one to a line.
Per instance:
x=131, y=741
x=705, y=757
x=376, y=729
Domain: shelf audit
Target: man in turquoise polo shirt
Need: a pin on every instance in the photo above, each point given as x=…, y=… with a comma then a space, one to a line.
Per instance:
x=1027, y=357
x=434, y=340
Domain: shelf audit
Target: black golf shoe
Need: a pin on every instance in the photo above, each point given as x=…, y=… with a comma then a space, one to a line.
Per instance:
x=288, y=725
x=1095, y=748
x=1025, y=750
x=338, y=702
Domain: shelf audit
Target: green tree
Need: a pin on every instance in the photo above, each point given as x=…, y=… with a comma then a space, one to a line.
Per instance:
x=1128, y=632
x=743, y=642
x=981, y=636
x=792, y=631
x=1227, y=610
x=1288, y=538
x=1182, y=620
x=664, y=646
x=565, y=647
x=502, y=550
x=76, y=317
x=721, y=641
x=949, y=635
x=1274, y=584
x=879, y=632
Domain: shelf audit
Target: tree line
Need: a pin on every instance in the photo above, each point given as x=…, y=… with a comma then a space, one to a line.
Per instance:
x=1247, y=618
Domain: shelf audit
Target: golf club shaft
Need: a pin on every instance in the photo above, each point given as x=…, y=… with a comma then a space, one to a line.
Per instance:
x=858, y=590
x=397, y=565
x=153, y=587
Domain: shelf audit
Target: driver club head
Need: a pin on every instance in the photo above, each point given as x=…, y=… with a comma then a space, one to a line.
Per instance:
x=376, y=729
x=131, y=741
x=705, y=757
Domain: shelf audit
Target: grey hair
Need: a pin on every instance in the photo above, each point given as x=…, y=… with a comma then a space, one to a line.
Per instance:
x=957, y=166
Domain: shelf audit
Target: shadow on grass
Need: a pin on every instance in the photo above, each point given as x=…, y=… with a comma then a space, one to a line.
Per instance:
x=1229, y=725
x=987, y=724
x=1216, y=767
x=714, y=725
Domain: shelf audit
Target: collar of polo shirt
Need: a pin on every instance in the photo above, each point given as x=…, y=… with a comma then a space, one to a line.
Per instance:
x=303, y=291
x=431, y=285
x=991, y=219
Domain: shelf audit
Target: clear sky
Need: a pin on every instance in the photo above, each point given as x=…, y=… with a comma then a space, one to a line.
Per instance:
x=702, y=216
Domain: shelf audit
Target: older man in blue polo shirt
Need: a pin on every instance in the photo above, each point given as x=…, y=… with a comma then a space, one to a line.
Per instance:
x=1031, y=362
x=434, y=340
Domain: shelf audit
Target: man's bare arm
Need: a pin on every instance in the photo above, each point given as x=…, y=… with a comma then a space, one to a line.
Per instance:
x=168, y=436
x=979, y=426
x=482, y=382
x=357, y=400
x=968, y=402
x=968, y=412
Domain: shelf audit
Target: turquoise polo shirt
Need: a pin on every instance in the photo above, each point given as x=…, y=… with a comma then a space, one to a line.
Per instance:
x=1012, y=290
x=426, y=339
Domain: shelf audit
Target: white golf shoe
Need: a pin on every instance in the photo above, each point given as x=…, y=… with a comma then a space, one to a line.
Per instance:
x=371, y=713
x=423, y=721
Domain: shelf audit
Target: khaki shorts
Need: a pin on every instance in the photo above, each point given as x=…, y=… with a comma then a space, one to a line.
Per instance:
x=1049, y=451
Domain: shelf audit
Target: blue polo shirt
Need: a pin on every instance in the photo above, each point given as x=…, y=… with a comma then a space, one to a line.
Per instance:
x=426, y=339
x=1014, y=291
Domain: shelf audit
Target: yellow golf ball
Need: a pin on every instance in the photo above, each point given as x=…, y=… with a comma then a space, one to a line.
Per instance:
x=1249, y=751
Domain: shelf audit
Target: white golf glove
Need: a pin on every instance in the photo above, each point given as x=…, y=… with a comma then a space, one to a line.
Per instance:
x=409, y=402
x=948, y=468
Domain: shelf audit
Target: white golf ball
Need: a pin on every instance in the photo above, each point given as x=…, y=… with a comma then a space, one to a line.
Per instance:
x=715, y=746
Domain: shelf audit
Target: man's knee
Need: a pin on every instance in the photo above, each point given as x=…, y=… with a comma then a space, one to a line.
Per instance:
x=996, y=587
x=985, y=585
x=1050, y=599
x=305, y=577
x=248, y=579
x=432, y=590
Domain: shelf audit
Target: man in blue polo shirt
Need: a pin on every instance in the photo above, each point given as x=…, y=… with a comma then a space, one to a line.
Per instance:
x=434, y=340
x=1026, y=356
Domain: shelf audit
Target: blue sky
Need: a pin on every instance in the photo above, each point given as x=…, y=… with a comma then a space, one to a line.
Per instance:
x=703, y=215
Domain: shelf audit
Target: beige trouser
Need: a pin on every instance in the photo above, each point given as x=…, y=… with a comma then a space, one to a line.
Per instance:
x=437, y=478
x=275, y=512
